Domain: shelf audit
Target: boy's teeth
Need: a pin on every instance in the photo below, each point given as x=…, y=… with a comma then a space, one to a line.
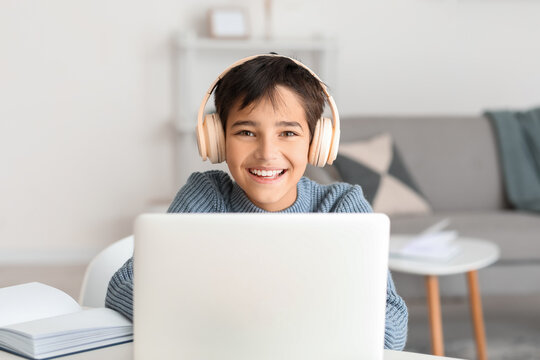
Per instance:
x=266, y=173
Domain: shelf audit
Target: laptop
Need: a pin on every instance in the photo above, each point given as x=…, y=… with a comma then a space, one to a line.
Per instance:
x=260, y=286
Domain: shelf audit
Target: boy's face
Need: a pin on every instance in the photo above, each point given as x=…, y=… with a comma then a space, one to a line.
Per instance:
x=260, y=138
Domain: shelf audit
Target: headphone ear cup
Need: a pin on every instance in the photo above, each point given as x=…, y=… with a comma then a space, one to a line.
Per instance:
x=209, y=137
x=201, y=141
x=315, y=145
x=214, y=138
x=321, y=142
x=334, y=146
x=220, y=139
x=326, y=141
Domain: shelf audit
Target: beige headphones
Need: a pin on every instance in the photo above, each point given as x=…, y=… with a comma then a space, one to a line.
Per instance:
x=211, y=138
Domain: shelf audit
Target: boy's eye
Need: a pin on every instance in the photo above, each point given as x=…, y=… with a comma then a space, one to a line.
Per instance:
x=245, y=133
x=288, y=133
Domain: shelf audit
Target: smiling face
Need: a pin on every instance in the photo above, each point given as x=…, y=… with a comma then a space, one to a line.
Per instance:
x=267, y=149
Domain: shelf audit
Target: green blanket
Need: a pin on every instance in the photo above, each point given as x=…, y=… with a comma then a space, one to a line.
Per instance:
x=518, y=135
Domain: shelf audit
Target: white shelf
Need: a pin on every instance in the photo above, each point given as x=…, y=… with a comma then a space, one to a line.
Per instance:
x=290, y=44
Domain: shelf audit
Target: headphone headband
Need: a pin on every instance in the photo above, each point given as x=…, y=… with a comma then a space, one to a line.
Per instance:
x=335, y=115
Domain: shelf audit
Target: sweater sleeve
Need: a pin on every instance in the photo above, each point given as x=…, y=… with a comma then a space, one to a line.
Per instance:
x=395, y=329
x=120, y=291
x=199, y=194
x=397, y=316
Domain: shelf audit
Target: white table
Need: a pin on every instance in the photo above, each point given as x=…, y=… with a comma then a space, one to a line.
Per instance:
x=125, y=352
x=475, y=254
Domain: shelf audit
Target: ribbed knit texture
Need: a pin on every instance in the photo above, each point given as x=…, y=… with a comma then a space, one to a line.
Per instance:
x=214, y=191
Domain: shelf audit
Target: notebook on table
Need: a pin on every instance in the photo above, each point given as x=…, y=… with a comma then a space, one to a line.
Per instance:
x=38, y=321
x=260, y=286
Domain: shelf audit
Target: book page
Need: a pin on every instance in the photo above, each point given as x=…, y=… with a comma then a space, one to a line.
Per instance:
x=31, y=301
x=91, y=319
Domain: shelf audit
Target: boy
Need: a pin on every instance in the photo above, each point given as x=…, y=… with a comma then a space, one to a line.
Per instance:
x=269, y=107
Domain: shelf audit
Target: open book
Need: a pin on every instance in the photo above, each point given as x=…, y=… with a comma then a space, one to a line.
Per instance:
x=432, y=244
x=38, y=321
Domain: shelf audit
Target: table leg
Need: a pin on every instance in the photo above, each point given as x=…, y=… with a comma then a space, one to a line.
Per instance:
x=435, y=317
x=477, y=316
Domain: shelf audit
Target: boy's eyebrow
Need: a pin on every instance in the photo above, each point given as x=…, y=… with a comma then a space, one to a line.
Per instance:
x=254, y=124
x=244, y=123
x=289, y=123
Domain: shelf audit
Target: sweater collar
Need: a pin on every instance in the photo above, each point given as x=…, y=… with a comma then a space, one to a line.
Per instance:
x=241, y=203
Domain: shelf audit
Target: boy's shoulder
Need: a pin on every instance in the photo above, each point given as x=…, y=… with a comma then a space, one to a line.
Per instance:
x=336, y=187
x=216, y=181
x=216, y=177
x=337, y=197
x=206, y=191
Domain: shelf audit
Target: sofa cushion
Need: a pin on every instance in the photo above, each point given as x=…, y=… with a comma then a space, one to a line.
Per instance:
x=375, y=164
x=516, y=233
x=453, y=159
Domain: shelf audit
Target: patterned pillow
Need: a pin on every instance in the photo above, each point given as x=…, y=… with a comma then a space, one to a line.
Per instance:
x=376, y=165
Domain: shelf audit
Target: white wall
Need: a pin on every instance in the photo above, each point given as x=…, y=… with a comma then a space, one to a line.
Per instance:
x=427, y=56
x=86, y=94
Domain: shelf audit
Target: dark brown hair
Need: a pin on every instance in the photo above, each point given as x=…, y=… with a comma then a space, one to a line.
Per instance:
x=257, y=79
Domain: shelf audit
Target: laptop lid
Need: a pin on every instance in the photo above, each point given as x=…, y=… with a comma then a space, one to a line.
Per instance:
x=260, y=286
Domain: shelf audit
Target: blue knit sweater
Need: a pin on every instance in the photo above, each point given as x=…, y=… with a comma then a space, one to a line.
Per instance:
x=214, y=191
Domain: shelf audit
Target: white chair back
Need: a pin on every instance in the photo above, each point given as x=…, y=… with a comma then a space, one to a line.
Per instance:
x=101, y=269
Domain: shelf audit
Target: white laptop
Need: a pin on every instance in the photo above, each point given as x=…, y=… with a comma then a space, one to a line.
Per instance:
x=260, y=286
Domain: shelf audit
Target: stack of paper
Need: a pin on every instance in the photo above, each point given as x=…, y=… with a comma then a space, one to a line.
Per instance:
x=432, y=244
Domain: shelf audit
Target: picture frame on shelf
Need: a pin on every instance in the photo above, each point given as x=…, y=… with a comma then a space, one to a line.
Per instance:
x=228, y=23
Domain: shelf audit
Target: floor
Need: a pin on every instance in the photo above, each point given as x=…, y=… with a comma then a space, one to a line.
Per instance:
x=512, y=327
x=512, y=322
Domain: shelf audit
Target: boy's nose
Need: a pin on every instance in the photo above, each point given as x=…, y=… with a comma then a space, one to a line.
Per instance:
x=266, y=149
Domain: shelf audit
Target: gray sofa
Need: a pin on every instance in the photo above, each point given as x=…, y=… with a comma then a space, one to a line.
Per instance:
x=454, y=161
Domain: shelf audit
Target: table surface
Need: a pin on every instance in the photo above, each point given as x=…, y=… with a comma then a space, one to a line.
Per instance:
x=474, y=254
x=125, y=352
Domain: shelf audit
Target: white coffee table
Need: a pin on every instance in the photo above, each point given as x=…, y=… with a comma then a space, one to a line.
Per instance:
x=475, y=254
